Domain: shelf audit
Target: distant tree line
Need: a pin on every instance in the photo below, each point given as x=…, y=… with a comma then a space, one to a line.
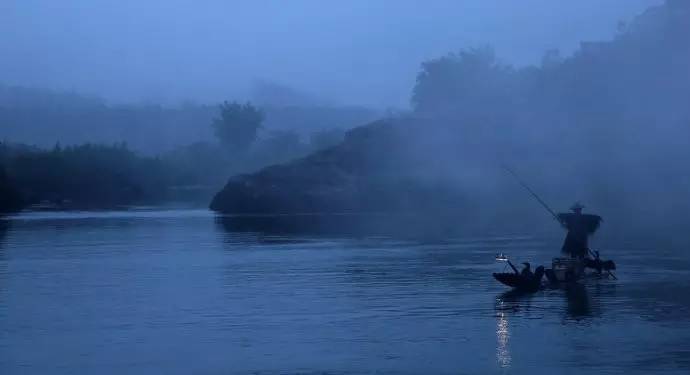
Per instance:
x=72, y=150
x=85, y=176
x=43, y=118
x=93, y=175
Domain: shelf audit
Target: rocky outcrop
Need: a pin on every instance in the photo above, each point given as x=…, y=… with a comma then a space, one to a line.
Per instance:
x=366, y=173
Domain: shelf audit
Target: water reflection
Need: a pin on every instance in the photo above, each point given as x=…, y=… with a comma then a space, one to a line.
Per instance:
x=579, y=304
x=502, y=336
x=4, y=227
x=340, y=225
x=507, y=303
x=514, y=301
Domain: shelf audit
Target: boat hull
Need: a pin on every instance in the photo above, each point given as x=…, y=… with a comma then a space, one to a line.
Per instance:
x=517, y=281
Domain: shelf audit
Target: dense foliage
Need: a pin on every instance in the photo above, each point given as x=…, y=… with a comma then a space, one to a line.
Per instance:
x=86, y=176
x=10, y=198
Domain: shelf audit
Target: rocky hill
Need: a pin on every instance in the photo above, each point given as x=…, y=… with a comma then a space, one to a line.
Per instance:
x=364, y=174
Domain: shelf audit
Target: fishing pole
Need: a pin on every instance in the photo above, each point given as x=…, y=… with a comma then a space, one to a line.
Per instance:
x=519, y=180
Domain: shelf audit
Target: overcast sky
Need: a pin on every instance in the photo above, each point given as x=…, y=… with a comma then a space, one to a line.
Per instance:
x=349, y=51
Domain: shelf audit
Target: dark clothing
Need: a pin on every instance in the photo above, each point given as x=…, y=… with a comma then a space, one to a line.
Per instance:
x=579, y=227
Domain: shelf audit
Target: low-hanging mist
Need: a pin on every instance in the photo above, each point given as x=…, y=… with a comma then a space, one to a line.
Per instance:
x=608, y=126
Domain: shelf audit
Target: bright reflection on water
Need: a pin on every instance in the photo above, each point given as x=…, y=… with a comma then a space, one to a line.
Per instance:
x=502, y=336
x=179, y=292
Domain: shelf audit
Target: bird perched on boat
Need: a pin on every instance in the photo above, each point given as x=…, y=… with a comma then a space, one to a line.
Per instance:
x=526, y=271
x=579, y=226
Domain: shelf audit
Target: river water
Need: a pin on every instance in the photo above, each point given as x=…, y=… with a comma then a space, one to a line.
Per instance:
x=184, y=292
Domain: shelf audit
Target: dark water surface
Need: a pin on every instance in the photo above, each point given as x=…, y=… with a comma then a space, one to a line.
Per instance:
x=178, y=292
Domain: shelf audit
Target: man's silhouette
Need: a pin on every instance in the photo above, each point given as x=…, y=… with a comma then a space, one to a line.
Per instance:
x=580, y=227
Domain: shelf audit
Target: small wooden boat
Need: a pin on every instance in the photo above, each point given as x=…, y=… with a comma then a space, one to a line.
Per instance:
x=600, y=265
x=568, y=270
x=520, y=282
x=565, y=270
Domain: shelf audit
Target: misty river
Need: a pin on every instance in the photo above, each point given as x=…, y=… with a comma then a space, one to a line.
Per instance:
x=182, y=292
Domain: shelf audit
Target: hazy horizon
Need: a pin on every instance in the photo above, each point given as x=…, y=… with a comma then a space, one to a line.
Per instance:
x=351, y=53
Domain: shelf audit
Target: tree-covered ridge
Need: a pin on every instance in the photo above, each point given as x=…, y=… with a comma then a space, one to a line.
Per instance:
x=602, y=78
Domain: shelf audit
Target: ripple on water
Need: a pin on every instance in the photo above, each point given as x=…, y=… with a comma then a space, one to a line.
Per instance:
x=175, y=292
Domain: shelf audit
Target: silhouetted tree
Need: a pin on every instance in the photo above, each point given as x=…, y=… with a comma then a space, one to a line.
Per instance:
x=237, y=126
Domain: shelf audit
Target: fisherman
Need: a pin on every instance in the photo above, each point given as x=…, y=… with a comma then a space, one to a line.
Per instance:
x=579, y=227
